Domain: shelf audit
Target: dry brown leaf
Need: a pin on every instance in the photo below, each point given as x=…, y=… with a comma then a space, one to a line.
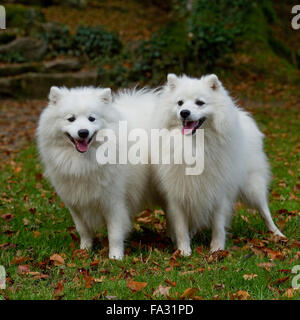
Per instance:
x=7, y=216
x=40, y=276
x=57, y=259
x=36, y=234
x=173, y=284
x=240, y=295
x=281, y=280
x=59, y=288
x=266, y=265
x=136, y=285
x=218, y=255
x=161, y=291
x=188, y=293
x=23, y=269
x=18, y=260
x=249, y=276
x=289, y=293
x=99, y=280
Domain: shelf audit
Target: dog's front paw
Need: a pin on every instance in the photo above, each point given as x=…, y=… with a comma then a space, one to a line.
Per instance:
x=116, y=255
x=185, y=251
x=86, y=244
x=277, y=232
x=216, y=246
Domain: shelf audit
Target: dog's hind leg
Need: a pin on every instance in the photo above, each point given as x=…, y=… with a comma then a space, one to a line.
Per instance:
x=179, y=224
x=118, y=225
x=86, y=235
x=219, y=223
x=254, y=193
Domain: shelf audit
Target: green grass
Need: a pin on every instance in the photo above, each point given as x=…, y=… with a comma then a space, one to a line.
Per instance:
x=48, y=229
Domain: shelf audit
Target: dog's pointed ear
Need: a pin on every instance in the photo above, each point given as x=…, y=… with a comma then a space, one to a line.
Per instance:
x=172, y=81
x=213, y=82
x=105, y=95
x=55, y=94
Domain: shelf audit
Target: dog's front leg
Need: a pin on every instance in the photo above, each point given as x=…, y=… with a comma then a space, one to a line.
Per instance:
x=219, y=222
x=86, y=235
x=118, y=225
x=180, y=226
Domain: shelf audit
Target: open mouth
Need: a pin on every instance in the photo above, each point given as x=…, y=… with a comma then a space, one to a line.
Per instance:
x=82, y=145
x=190, y=127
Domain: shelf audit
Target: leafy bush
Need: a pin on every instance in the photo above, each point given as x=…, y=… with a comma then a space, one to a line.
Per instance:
x=58, y=38
x=12, y=57
x=22, y=17
x=214, y=27
x=95, y=41
x=165, y=51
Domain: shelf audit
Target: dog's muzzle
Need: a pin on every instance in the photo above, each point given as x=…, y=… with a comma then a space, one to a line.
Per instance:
x=81, y=145
x=190, y=127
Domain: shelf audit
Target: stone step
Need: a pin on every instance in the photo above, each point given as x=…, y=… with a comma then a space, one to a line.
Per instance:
x=37, y=85
x=58, y=65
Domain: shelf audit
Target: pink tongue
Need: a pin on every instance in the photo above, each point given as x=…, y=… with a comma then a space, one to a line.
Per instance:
x=189, y=127
x=82, y=146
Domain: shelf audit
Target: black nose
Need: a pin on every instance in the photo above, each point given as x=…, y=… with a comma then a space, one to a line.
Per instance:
x=185, y=113
x=83, y=133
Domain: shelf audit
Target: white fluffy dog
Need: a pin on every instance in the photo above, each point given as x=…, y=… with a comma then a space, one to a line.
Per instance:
x=234, y=161
x=96, y=194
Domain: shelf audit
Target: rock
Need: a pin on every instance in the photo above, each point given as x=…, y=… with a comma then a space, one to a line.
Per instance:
x=62, y=65
x=7, y=36
x=15, y=69
x=57, y=36
x=73, y=3
x=30, y=49
x=37, y=85
x=40, y=3
x=22, y=17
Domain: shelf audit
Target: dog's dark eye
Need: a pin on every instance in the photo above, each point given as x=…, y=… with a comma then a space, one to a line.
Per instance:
x=71, y=119
x=199, y=103
x=92, y=119
x=180, y=102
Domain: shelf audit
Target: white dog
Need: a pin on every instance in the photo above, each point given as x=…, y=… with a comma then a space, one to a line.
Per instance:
x=96, y=194
x=234, y=161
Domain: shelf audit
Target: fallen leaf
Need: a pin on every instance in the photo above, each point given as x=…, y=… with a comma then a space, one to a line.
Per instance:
x=99, y=280
x=161, y=291
x=241, y=295
x=173, y=284
x=36, y=234
x=136, y=285
x=88, y=281
x=220, y=286
x=218, y=255
x=249, y=276
x=40, y=276
x=94, y=263
x=7, y=245
x=188, y=293
x=266, y=265
x=289, y=293
x=173, y=260
x=81, y=254
x=18, y=260
x=59, y=288
x=7, y=216
x=23, y=268
x=57, y=259
x=281, y=280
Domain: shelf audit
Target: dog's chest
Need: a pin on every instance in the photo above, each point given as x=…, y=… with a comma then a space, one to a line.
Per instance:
x=85, y=190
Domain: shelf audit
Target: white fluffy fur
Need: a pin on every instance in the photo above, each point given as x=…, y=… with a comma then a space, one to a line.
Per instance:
x=234, y=162
x=96, y=194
